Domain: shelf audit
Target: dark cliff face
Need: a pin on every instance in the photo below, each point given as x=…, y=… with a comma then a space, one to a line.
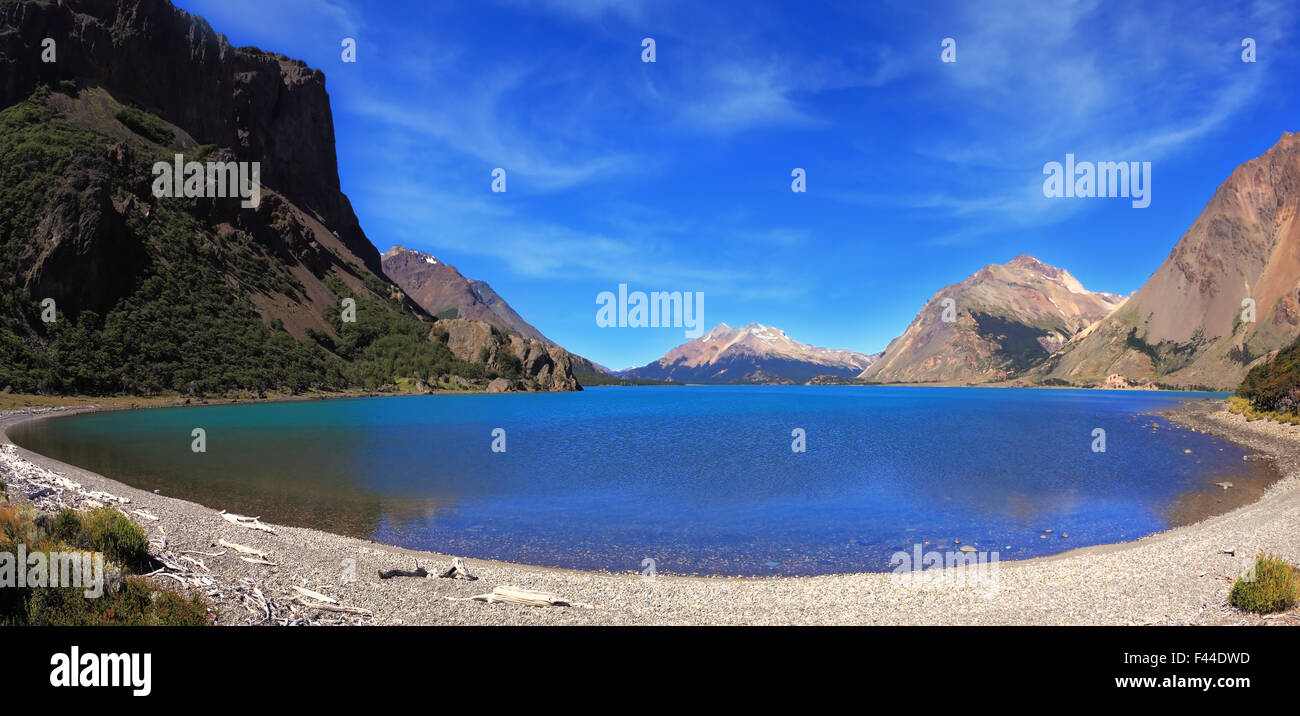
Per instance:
x=263, y=106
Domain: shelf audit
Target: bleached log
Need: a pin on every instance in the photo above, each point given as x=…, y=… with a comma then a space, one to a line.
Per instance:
x=253, y=523
x=518, y=595
x=256, y=560
x=315, y=595
x=146, y=515
x=242, y=549
x=199, y=562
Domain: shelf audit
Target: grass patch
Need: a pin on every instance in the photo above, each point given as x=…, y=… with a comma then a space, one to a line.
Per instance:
x=1273, y=589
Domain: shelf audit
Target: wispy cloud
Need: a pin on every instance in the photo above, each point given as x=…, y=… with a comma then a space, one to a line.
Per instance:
x=1037, y=80
x=485, y=125
x=262, y=19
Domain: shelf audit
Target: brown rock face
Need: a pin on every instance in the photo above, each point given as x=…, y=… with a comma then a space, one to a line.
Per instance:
x=1005, y=319
x=441, y=290
x=524, y=363
x=263, y=106
x=1187, y=326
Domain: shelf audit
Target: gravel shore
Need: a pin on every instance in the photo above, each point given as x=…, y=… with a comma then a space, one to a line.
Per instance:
x=1180, y=576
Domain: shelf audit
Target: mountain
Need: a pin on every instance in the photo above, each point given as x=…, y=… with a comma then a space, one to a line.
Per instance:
x=752, y=354
x=1185, y=326
x=1005, y=319
x=442, y=291
x=199, y=291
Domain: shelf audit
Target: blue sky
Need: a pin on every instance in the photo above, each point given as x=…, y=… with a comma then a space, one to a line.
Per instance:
x=675, y=175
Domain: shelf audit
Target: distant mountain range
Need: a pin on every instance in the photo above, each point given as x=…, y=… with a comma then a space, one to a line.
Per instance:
x=998, y=323
x=753, y=354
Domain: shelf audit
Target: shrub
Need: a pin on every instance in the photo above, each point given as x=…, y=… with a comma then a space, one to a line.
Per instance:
x=137, y=603
x=1274, y=588
x=146, y=125
x=1275, y=385
x=132, y=601
x=67, y=526
x=117, y=536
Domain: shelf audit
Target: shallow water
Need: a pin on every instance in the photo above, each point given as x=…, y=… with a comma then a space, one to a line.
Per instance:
x=701, y=479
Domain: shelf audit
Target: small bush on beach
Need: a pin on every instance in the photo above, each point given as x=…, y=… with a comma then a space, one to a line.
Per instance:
x=66, y=526
x=1274, y=387
x=1274, y=589
x=137, y=603
x=117, y=536
x=1245, y=408
x=130, y=601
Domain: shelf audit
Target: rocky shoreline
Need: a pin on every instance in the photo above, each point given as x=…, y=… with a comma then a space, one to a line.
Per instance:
x=304, y=576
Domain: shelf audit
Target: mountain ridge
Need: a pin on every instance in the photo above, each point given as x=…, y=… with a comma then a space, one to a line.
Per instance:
x=1187, y=325
x=993, y=325
x=439, y=287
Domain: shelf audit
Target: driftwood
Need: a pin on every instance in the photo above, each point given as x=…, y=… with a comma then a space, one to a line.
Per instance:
x=517, y=595
x=315, y=595
x=242, y=549
x=458, y=571
x=199, y=562
x=417, y=572
x=252, y=523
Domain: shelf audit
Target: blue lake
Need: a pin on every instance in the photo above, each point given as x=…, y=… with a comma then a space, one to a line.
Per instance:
x=701, y=479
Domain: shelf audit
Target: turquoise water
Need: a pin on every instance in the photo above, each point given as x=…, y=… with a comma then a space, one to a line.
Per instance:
x=701, y=479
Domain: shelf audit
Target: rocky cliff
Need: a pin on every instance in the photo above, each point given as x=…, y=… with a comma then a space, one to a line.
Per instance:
x=1227, y=295
x=521, y=364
